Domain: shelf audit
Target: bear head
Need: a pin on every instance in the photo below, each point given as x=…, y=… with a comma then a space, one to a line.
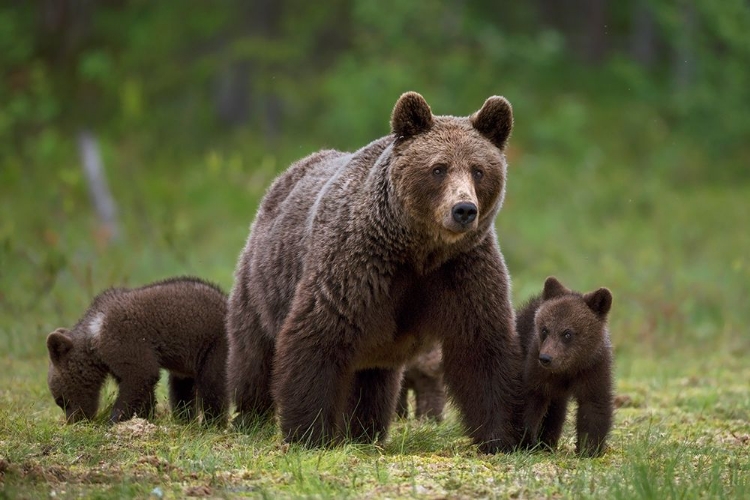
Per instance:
x=448, y=173
x=72, y=376
x=571, y=327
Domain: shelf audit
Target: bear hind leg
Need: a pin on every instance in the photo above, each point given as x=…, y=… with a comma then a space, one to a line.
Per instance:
x=182, y=397
x=211, y=386
x=249, y=367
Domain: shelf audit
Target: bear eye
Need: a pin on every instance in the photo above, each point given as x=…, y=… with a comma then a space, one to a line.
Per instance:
x=477, y=174
x=545, y=332
x=567, y=334
x=439, y=169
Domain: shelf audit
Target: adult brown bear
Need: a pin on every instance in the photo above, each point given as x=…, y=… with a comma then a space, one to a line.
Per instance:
x=357, y=262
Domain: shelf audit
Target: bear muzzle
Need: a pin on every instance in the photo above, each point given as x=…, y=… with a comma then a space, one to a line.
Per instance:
x=73, y=415
x=461, y=218
x=464, y=213
x=545, y=360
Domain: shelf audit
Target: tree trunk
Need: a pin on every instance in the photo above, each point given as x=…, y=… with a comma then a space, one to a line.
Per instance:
x=597, y=31
x=643, y=34
x=96, y=180
x=683, y=62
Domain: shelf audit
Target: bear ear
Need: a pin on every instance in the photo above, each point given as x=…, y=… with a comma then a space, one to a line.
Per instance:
x=494, y=120
x=553, y=288
x=59, y=344
x=599, y=301
x=411, y=115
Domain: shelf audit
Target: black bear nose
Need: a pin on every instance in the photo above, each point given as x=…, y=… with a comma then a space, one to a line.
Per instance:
x=545, y=359
x=464, y=212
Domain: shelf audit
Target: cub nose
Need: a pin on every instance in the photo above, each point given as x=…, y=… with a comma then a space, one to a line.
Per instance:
x=545, y=359
x=464, y=212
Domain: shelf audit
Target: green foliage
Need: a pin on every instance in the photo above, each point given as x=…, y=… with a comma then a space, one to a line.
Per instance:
x=128, y=70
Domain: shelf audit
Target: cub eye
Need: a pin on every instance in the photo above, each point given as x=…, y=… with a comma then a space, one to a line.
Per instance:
x=567, y=334
x=439, y=170
x=545, y=332
x=477, y=174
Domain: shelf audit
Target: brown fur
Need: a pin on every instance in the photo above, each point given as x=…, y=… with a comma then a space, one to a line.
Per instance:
x=355, y=264
x=176, y=324
x=424, y=377
x=567, y=331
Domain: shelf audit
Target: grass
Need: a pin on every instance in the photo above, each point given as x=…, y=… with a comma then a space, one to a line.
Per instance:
x=677, y=435
x=674, y=254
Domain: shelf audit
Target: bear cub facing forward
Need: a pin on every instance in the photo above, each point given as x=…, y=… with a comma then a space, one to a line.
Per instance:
x=568, y=353
x=176, y=324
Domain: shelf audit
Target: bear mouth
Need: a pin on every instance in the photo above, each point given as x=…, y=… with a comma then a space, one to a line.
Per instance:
x=550, y=367
x=457, y=229
x=450, y=236
x=74, y=415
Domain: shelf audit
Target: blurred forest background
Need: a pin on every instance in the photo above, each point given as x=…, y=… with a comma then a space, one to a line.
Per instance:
x=628, y=162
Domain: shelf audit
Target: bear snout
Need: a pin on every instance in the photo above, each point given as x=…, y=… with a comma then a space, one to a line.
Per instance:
x=545, y=360
x=464, y=213
x=73, y=415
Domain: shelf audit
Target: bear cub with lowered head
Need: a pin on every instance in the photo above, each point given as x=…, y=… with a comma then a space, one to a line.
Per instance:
x=568, y=353
x=358, y=262
x=176, y=324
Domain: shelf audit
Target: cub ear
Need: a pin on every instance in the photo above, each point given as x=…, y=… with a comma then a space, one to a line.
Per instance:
x=411, y=115
x=553, y=288
x=494, y=120
x=59, y=344
x=599, y=301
